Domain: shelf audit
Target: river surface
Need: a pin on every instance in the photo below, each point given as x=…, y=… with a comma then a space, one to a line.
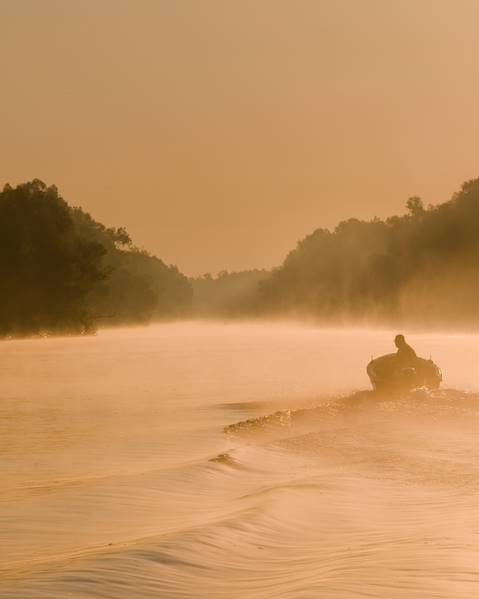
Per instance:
x=235, y=461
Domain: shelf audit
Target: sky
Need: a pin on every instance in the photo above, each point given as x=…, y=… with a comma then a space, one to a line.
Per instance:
x=220, y=132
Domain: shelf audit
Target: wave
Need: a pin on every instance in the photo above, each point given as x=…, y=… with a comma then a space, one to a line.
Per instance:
x=356, y=494
x=362, y=402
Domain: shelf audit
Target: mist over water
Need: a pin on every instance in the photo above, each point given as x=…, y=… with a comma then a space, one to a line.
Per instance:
x=235, y=460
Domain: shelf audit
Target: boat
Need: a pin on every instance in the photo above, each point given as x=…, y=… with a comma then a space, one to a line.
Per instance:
x=387, y=373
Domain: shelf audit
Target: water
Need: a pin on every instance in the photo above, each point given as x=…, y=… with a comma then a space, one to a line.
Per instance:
x=227, y=460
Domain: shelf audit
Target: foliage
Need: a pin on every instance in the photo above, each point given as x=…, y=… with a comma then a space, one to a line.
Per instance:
x=139, y=287
x=47, y=269
x=63, y=272
x=419, y=266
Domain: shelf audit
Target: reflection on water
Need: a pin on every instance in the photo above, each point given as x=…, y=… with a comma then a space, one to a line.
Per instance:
x=207, y=460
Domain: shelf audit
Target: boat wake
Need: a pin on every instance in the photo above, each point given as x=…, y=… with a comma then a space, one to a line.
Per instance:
x=359, y=405
x=352, y=494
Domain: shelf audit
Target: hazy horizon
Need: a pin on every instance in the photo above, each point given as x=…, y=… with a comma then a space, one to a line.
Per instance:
x=219, y=134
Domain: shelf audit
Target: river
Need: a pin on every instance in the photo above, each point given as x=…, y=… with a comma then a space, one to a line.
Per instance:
x=235, y=461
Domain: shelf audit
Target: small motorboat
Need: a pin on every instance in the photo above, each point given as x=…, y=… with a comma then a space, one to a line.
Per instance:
x=387, y=373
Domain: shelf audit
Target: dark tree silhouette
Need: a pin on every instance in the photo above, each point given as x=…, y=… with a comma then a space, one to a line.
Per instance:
x=64, y=272
x=47, y=269
x=422, y=266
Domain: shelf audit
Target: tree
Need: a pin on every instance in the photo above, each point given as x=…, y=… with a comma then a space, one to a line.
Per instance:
x=415, y=206
x=62, y=271
x=47, y=270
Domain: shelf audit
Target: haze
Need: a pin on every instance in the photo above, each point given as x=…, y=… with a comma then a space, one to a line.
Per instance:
x=219, y=133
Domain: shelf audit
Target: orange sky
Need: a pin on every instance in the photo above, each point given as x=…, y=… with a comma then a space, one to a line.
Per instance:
x=219, y=132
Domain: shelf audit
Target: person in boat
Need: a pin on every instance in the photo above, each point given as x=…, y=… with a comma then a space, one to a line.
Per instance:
x=405, y=352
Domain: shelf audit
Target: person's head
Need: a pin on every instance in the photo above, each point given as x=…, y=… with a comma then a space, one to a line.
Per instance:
x=399, y=340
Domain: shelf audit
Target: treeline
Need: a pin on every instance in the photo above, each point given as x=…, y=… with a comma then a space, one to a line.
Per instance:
x=62, y=271
x=420, y=267
x=228, y=294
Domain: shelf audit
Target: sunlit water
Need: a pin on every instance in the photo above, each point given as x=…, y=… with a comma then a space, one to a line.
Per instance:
x=201, y=460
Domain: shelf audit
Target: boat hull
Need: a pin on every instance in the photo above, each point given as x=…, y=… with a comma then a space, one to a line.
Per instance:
x=387, y=373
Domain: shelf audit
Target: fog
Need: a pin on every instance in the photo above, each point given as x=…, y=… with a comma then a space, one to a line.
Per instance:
x=239, y=328
x=195, y=458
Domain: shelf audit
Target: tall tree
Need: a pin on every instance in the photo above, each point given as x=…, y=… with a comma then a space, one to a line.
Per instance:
x=46, y=268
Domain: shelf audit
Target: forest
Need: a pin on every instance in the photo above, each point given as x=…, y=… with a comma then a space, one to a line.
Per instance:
x=63, y=272
x=421, y=267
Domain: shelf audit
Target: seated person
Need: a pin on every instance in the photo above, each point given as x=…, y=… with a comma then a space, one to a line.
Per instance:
x=405, y=352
